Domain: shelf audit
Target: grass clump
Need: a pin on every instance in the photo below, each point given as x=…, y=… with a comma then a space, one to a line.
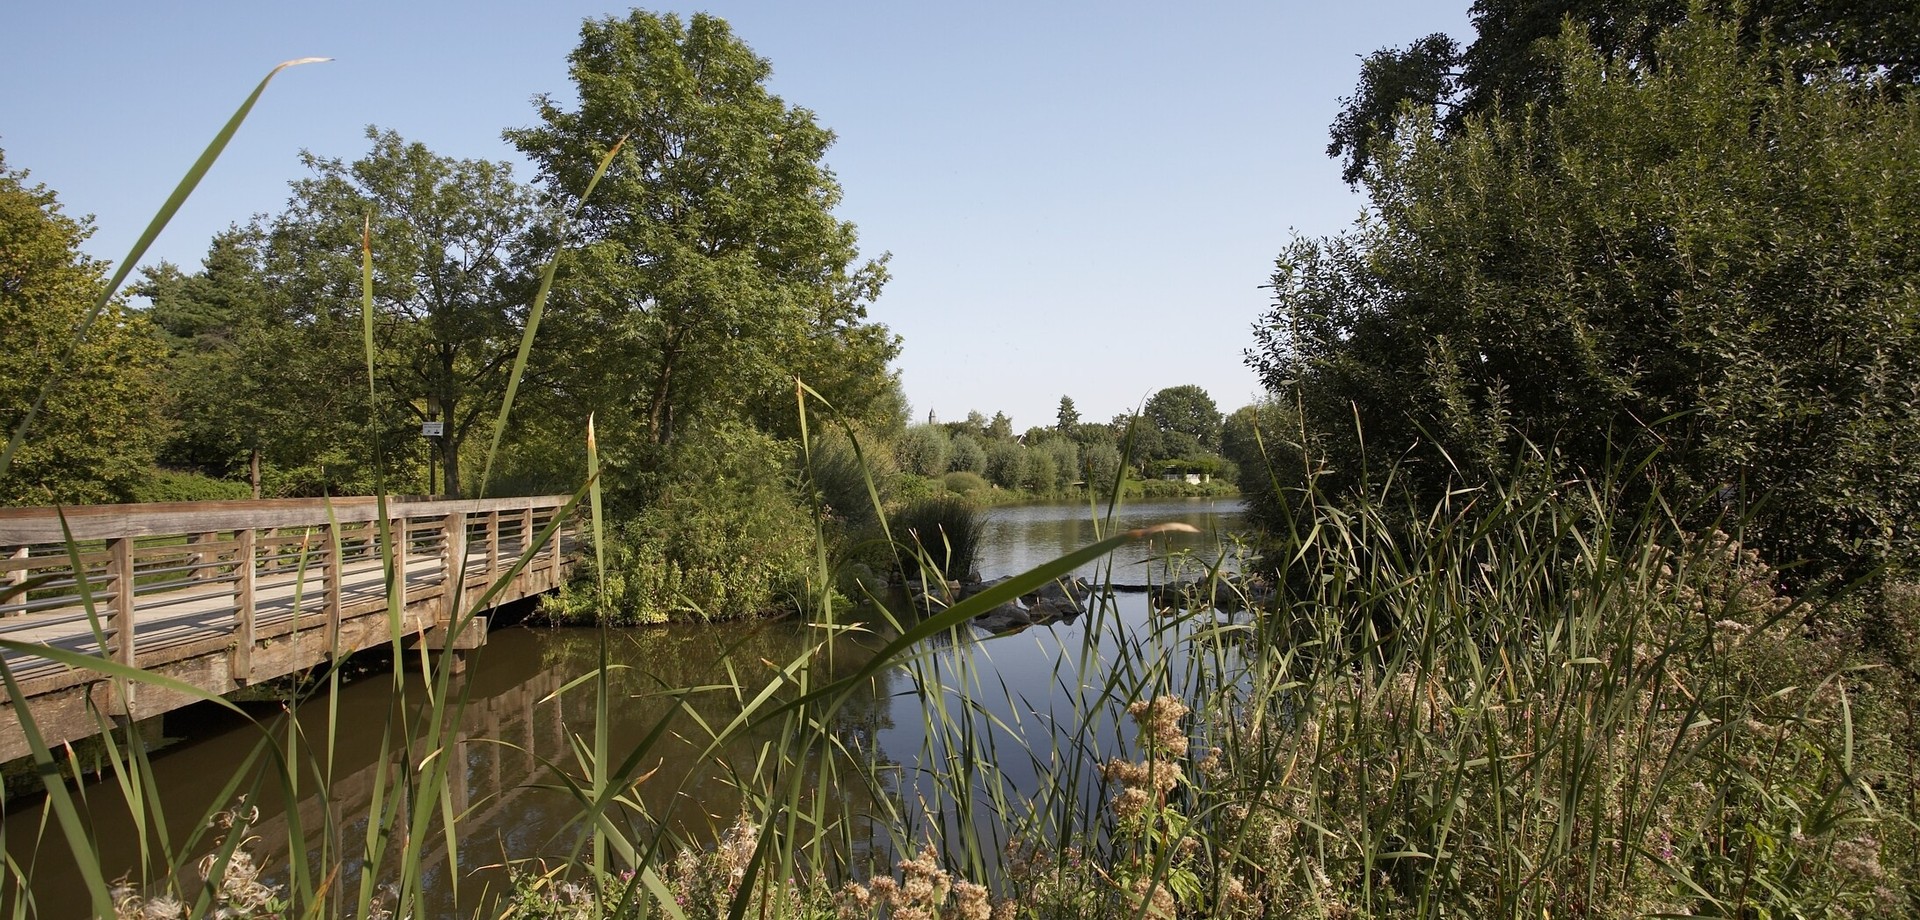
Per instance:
x=1553, y=707
x=941, y=534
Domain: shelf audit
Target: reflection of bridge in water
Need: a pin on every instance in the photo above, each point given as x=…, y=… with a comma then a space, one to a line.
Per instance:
x=223, y=595
x=514, y=731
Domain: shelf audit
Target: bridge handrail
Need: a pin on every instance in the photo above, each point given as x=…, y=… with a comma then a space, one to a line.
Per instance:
x=40, y=525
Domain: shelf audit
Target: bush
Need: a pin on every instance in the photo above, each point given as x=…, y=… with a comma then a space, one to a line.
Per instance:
x=725, y=538
x=841, y=479
x=1063, y=457
x=923, y=450
x=1100, y=465
x=943, y=532
x=967, y=456
x=1007, y=464
x=175, y=486
x=1709, y=241
x=962, y=483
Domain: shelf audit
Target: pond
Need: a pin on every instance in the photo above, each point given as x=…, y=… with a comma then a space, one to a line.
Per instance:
x=518, y=721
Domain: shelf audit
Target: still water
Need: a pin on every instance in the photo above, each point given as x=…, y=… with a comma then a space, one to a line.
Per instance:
x=518, y=724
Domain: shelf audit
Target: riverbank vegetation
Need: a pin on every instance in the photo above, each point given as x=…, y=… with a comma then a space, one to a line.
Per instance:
x=1588, y=532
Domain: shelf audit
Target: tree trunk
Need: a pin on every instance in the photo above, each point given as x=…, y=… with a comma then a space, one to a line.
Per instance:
x=660, y=411
x=450, y=460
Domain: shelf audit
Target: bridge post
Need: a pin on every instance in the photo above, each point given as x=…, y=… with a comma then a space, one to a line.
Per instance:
x=18, y=576
x=527, y=536
x=241, y=666
x=331, y=554
x=120, y=570
x=397, y=530
x=456, y=568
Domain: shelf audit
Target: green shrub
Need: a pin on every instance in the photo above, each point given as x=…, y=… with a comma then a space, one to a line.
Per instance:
x=966, y=455
x=908, y=488
x=726, y=537
x=1007, y=464
x=1709, y=257
x=923, y=450
x=176, y=486
x=837, y=474
x=1099, y=465
x=965, y=483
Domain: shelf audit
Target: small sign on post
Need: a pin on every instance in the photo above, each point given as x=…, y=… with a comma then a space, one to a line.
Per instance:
x=433, y=429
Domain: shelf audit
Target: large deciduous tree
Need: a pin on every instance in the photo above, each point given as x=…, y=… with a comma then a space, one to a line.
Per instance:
x=445, y=233
x=1712, y=255
x=1186, y=419
x=709, y=268
x=95, y=435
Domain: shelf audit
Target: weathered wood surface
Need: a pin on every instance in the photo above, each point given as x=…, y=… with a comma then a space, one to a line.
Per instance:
x=223, y=594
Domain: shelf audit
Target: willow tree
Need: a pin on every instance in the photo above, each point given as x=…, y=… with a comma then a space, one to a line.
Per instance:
x=709, y=268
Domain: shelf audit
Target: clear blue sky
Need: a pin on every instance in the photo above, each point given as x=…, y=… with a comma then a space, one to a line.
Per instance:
x=1080, y=198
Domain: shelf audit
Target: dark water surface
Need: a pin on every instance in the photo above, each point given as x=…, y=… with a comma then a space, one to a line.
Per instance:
x=518, y=722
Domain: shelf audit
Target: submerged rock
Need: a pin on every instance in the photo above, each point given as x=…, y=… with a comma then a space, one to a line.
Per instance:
x=1007, y=617
x=1232, y=591
x=972, y=588
x=1068, y=595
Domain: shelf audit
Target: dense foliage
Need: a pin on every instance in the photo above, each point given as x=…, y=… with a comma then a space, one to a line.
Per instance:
x=1704, y=256
x=1512, y=63
x=97, y=385
x=708, y=269
x=726, y=539
x=450, y=295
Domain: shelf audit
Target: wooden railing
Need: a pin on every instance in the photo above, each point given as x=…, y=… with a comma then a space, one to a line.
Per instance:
x=160, y=585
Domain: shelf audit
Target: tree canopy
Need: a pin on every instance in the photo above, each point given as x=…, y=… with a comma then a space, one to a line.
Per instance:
x=99, y=425
x=450, y=296
x=1512, y=62
x=1186, y=418
x=709, y=268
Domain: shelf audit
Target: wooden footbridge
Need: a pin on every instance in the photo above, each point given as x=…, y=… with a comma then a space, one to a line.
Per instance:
x=221, y=595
